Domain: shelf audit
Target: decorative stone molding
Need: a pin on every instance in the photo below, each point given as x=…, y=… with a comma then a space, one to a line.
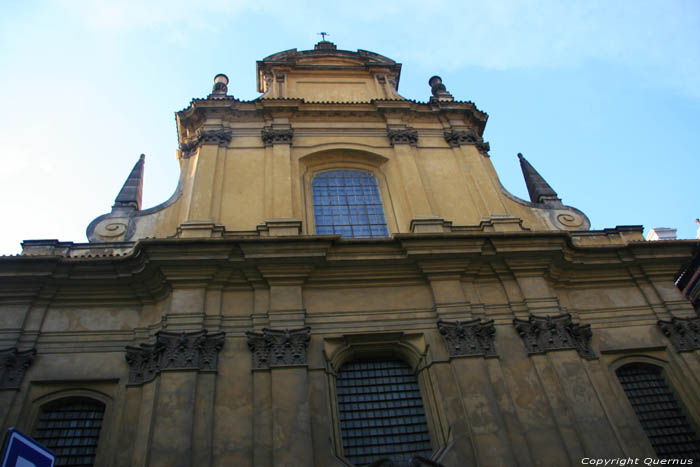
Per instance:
x=199, y=229
x=684, y=333
x=469, y=338
x=221, y=137
x=457, y=138
x=279, y=227
x=543, y=334
x=429, y=225
x=13, y=365
x=402, y=137
x=271, y=137
x=484, y=147
x=276, y=348
x=174, y=351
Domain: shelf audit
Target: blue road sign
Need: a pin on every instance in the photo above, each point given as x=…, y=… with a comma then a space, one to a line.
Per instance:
x=22, y=451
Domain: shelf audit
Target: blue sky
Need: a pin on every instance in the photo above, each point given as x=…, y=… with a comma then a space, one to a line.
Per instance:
x=602, y=97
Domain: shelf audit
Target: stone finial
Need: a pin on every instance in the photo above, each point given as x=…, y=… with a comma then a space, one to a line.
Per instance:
x=275, y=348
x=537, y=186
x=684, y=333
x=174, y=351
x=544, y=334
x=468, y=338
x=130, y=194
x=439, y=90
x=220, y=88
x=13, y=365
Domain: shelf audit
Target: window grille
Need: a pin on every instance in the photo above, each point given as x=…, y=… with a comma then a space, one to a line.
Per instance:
x=347, y=202
x=662, y=418
x=70, y=428
x=381, y=412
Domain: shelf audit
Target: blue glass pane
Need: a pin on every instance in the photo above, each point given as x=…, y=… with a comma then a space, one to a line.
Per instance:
x=348, y=203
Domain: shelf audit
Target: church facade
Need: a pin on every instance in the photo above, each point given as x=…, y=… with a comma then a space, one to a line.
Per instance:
x=340, y=279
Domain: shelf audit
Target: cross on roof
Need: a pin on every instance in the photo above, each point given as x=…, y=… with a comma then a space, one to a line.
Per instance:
x=323, y=35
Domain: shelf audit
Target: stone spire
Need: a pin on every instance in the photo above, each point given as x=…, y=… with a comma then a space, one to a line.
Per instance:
x=537, y=187
x=130, y=194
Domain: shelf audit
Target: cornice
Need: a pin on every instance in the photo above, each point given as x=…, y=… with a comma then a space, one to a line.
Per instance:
x=154, y=266
x=199, y=109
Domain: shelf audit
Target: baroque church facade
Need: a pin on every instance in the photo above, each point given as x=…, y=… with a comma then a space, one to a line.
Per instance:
x=340, y=279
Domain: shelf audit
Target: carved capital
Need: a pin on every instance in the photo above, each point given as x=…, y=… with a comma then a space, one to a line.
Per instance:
x=220, y=137
x=457, y=138
x=483, y=146
x=174, y=351
x=543, y=334
x=13, y=365
x=402, y=137
x=271, y=137
x=684, y=333
x=469, y=338
x=275, y=348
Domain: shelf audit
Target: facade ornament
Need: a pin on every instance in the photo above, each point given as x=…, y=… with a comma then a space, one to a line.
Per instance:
x=174, y=351
x=220, y=137
x=220, y=89
x=684, y=333
x=484, y=147
x=543, y=334
x=276, y=348
x=271, y=136
x=13, y=365
x=402, y=137
x=439, y=90
x=457, y=138
x=469, y=338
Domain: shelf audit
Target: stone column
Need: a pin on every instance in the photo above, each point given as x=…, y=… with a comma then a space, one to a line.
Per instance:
x=468, y=344
x=209, y=158
x=283, y=354
x=174, y=361
x=403, y=141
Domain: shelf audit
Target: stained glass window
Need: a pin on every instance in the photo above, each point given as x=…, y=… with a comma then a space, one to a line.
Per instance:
x=347, y=202
x=662, y=418
x=381, y=412
x=70, y=428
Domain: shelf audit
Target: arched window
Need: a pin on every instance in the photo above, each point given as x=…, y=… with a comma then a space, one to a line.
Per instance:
x=347, y=202
x=662, y=418
x=70, y=428
x=381, y=412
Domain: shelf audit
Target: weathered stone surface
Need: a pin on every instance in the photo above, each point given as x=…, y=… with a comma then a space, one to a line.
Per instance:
x=469, y=338
x=13, y=365
x=273, y=348
x=684, y=333
x=402, y=137
x=174, y=351
x=174, y=420
x=544, y=334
